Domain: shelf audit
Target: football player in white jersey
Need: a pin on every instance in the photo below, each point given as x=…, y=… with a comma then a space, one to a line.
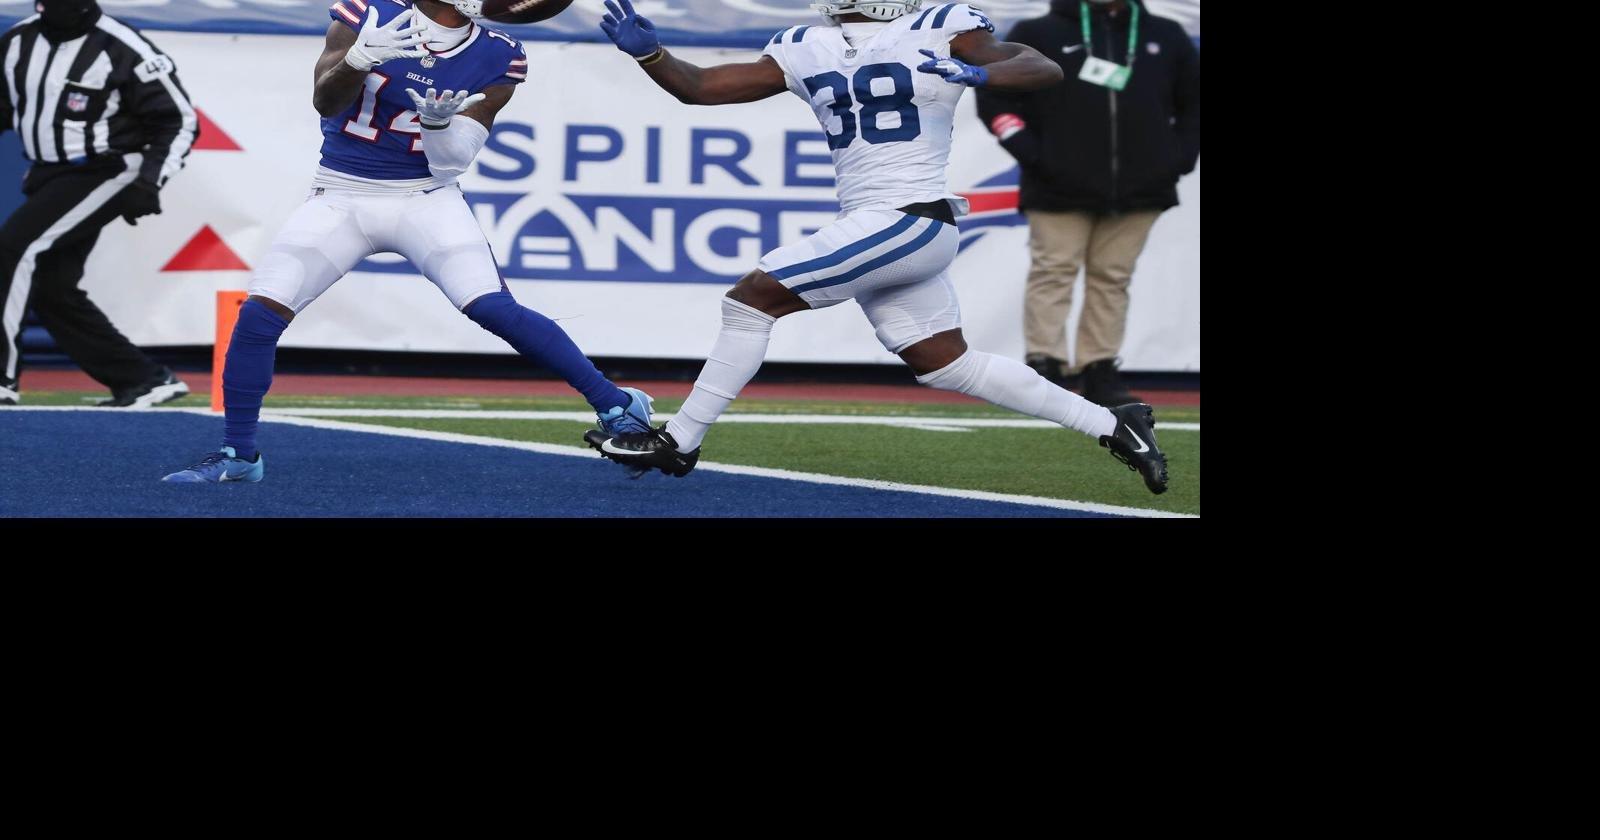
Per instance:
x=883, y=77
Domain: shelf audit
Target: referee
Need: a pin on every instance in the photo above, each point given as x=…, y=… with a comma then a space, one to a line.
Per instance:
x=103, y=119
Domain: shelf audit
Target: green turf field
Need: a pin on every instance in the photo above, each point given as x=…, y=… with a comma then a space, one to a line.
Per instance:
x=1036, y=462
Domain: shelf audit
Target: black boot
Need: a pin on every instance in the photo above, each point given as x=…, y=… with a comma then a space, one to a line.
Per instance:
x=1102, y=384
x=1051, y=369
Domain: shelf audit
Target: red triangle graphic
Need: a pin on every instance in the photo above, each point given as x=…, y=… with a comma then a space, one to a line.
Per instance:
x=212, y=137
x=205, y=252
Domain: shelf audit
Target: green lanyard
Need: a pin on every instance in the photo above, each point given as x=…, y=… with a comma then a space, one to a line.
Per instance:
x=1133, y=30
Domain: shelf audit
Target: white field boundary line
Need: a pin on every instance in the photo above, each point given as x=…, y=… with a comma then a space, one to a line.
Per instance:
x=931, y=424
x=575, y=452
x=943, y=424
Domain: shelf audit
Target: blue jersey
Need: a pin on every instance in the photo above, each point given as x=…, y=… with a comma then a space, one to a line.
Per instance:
x=379, y=136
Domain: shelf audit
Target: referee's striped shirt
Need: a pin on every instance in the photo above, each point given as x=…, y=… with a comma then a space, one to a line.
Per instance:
x=110, y=91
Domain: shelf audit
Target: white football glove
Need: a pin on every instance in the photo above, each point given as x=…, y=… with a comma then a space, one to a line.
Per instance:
x=434, y=109
x=399, y=38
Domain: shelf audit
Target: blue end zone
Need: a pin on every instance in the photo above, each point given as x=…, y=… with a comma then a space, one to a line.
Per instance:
x=105, y=464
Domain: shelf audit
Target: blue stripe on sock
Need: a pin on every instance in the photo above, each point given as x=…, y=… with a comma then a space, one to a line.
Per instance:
x=899, y=253
x=847, y=251
x=943, y=13
x=918, y=24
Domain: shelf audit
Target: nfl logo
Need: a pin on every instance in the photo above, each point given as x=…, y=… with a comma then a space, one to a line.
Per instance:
x=77, y=101
x=1153, y=48
x=428, y=61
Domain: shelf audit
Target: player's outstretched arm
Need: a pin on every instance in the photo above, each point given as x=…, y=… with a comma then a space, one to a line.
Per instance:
x=981, y=61
x=719, y=85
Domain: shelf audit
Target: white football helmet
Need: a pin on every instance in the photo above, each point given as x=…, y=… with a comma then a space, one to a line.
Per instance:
x=875, y=9
x=470, y=8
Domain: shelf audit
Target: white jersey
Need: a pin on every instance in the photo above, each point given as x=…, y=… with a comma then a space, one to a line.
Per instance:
x=888, y=125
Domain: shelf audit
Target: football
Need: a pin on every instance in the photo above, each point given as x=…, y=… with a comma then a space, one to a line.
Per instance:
x=523, y=11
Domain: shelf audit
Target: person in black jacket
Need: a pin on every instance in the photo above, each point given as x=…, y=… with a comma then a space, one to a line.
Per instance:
x=103, y=119
x=1101, y=154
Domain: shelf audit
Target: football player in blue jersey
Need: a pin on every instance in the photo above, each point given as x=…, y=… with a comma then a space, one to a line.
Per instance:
x=407, y=92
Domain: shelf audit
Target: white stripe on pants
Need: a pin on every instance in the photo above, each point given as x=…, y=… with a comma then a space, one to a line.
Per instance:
x=22, y=281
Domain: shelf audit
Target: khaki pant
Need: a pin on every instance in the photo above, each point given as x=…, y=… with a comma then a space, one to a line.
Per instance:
x=1060, y=244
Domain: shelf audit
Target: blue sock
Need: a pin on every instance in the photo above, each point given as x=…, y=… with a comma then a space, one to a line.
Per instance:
x=248, y=374
x=538, y=338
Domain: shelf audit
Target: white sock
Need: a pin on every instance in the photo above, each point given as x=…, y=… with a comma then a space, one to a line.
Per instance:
x=1012, y=384
x=737, y=355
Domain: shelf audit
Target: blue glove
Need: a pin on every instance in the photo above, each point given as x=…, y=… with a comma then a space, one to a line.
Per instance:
x=954, y=70
x=632, y=34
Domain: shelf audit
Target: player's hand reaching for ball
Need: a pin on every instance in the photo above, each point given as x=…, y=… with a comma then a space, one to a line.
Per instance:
x=631, y=32
x=399, y=38
x=435, y=109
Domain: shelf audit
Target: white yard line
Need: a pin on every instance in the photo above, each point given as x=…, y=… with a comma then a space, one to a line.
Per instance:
x=575, y=452
x=944, y=424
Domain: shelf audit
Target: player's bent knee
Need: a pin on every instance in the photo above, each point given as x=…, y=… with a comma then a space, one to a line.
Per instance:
x=280, y=309
x=935, y=352
x=496, y=312
x=761, y=291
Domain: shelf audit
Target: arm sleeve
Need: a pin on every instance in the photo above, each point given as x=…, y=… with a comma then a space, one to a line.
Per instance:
x=170, y=125
x=450, y=150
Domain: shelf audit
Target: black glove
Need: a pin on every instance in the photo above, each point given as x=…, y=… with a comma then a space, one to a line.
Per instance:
x=141, y=198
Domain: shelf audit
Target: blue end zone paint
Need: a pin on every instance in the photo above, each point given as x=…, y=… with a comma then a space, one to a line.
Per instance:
x=51, y=467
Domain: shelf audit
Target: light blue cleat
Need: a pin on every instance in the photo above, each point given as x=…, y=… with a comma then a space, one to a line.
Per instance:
x=219, y=467
x=632, y=419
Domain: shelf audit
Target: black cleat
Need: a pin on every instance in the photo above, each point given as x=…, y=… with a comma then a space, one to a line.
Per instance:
x=166, y=387
x=1134, y=444
x=645, y=451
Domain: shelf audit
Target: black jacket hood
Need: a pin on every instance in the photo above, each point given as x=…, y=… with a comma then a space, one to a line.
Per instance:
x=64, y=20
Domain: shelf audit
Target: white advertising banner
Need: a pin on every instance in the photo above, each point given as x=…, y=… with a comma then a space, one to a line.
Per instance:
x=611, y=207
